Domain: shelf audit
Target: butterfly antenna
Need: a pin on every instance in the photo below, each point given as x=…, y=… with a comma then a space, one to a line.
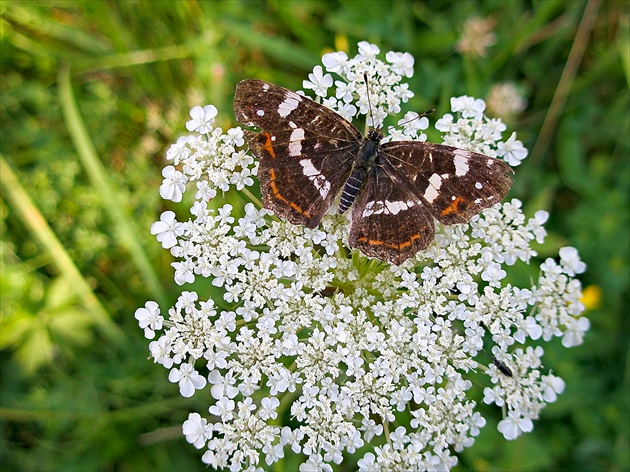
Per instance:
x=367, y=90
x=428, y=112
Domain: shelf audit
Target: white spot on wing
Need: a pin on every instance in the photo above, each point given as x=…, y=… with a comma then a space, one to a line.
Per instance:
x=377, y=207
x=295, y=142
x=373, y=208
x=431, y=193
x=436, y=181
x=290, y=103
x=396, y=207
x=319, y=181
x=260, y=112
x=478, y=185
x=461, y=162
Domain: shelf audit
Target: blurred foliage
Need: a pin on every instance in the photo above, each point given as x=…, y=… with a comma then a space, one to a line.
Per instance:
x=79, y=398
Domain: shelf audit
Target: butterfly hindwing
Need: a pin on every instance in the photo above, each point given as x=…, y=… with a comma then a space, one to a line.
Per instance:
x=306, y=150
x=452, y=183
x=388, y=221
x=297, y=190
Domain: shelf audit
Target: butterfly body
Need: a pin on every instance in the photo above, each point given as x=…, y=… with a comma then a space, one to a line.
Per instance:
x=366, y=159
x=309, y=155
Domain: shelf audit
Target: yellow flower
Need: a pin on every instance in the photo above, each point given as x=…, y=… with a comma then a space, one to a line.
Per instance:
x=592, y=297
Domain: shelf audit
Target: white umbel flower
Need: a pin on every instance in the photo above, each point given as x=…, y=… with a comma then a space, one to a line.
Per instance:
x=299, y=326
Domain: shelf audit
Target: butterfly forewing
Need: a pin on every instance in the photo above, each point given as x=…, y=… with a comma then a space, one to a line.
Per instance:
x=454, y=184
x=306, y=150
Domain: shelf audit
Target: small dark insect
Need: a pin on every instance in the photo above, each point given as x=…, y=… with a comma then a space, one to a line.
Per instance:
x=505, y=370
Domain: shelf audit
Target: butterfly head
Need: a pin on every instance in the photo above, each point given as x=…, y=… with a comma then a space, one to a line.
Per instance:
x=375, y=135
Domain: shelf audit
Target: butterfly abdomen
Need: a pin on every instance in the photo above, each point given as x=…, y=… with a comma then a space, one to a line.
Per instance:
x=351, y=189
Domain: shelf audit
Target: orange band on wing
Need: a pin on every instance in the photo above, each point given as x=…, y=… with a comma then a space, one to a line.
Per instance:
x=409, y=242
x=453, y=207
x=268, y=146
x=276, y=194
x=380, y=242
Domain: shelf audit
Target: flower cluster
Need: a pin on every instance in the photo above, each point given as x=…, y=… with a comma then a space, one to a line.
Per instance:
x=477, y=37
x=476, y=132
x=379, y=97
x=313, y=349
x=505, y=100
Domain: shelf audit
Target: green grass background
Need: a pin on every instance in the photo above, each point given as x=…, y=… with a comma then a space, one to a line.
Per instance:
x=94, y=92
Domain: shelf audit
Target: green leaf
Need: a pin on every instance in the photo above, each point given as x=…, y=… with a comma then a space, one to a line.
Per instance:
x=36, y=349
x=571, y=157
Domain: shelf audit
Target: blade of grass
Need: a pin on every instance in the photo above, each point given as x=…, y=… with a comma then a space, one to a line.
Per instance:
x=123, y=226
x=43, y=233
x=276, y=47
x=37, y=21
x=566, y=80
x=133, y=58
x=623, y=44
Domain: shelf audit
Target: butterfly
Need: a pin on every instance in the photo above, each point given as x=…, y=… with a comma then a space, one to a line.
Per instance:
x=309, y=155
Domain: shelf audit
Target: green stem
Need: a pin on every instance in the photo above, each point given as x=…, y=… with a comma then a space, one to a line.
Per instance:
x=566, y=80
x=125, y=231
x=32, y=218
x=252, y=197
